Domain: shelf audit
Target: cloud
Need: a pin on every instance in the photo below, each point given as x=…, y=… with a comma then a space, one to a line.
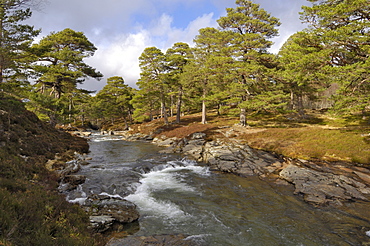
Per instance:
x=119, y=56
x=122, y=29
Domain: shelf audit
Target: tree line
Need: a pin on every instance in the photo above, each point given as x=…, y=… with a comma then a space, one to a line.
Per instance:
x=229, y=69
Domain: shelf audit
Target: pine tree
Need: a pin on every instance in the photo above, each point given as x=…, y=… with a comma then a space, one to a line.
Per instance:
x=301, y=60
x=153, y=77
x=61, y=63
x=252, y=27
x=211, y=67
x=177, y=57
x=116, y=97
x=15, y=38
x=343, y=28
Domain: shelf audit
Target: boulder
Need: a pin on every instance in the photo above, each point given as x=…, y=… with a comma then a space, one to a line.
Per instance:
x=322, y=188
x=121, y=210
x=101, y=223
x=198, y=135
x=71, y=182
x=165, y=142
x=74, y=179
x=194, y=149
x=238, y=158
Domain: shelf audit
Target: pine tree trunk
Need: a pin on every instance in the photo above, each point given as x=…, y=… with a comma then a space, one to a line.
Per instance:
x=171, y=107
x=243, y=118
x=291, y=106
x=130, y=116
x=164, y=112
x=1, y=74
x=179, y=102
x=126, y=123
x=204, y=113
x=300, y=106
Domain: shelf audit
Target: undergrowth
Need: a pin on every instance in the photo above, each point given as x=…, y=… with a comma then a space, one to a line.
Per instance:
x=32, y=212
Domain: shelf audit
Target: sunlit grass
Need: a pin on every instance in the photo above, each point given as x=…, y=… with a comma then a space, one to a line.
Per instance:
x=313, y=142
x=320, y=135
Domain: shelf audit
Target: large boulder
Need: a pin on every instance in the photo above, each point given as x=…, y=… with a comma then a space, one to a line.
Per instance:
x=106, y=210
x=238, y=158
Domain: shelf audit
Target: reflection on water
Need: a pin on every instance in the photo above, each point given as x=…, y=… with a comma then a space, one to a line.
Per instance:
x=175, y=195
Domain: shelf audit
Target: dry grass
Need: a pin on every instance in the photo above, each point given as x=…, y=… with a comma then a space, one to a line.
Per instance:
x=313, y=142
x=188, y=125
x=319, y=136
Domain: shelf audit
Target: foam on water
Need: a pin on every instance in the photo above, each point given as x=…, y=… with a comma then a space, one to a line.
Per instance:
x=112, y=196
x=164, y=178
x=81, y=197
x=108, y=138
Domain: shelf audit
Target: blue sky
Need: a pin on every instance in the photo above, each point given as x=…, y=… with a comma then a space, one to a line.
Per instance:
x=122, y=29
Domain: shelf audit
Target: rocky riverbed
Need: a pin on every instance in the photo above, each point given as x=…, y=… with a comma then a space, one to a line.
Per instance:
x=106, y=213
x=318, y=182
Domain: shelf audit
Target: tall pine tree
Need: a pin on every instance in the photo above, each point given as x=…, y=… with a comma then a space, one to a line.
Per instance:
x=15, y=37
x=252, y=28
x=343, y=28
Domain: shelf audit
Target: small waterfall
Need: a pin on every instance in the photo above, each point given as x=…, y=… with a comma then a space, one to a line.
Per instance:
x=165, y=178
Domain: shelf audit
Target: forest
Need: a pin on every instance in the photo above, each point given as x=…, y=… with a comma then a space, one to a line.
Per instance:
x=229, y=70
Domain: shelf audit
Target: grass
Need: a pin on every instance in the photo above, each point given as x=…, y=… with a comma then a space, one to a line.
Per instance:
x=320, y=135
x=313, y=142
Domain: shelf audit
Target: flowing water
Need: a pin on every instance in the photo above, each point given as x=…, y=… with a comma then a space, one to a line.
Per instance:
x=175, y=195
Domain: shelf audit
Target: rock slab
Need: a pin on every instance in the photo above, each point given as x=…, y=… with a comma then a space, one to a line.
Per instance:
x=106, y=211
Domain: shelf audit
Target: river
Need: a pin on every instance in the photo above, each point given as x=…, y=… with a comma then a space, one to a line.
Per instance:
x=175, y=195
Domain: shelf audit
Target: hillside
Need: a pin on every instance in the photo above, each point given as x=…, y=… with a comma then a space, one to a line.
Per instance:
x=31, y=210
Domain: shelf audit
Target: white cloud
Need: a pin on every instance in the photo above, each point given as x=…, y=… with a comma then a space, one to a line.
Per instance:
x=119, y=56
x=122, y=29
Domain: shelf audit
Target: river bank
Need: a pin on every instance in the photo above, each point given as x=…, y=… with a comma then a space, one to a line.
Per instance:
x=178, y=197
x=319, y=182
x=32, y=211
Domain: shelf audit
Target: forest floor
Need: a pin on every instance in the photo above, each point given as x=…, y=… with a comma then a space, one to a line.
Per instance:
x=318, y=136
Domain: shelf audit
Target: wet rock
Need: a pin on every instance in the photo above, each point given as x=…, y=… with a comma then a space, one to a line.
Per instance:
x=165, y=142
x=198, y=135
x=323, y=188
x=136, y=137
x=75, y=179
x=101, y=223
x=194, y=149
x=160, y=240
x=121, y=210
x=71, y=182
x=70, y=167
x=319, y=183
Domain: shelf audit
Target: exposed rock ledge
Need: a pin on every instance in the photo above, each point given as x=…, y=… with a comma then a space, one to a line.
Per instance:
x=320, y=183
